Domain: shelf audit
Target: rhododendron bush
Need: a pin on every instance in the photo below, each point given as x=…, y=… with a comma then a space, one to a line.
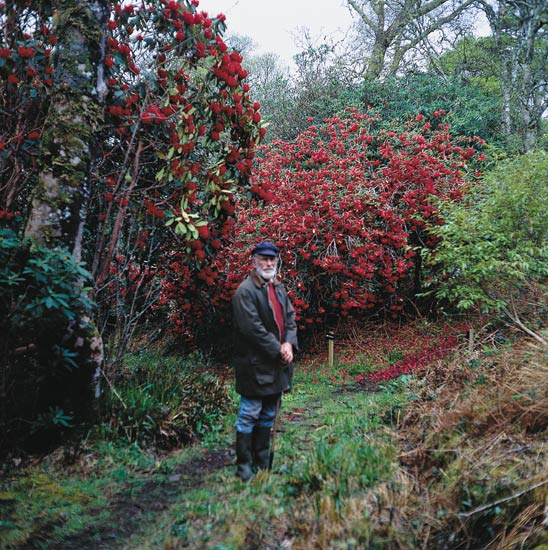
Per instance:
x=175, y=135
x=351, y=205
x=125, y=129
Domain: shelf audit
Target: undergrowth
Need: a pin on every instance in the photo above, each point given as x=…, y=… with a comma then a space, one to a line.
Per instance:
x=452, y=456
x=477, y=434
x=163, y=401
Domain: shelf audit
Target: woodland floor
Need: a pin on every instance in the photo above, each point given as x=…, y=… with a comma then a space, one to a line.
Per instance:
x=148, y=495
x=136, y=510
x=458, y=438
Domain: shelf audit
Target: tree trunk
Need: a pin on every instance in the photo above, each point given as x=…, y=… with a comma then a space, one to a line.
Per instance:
x=376, y=62
x=60, y=200
x=506, y=113
x=518, y=29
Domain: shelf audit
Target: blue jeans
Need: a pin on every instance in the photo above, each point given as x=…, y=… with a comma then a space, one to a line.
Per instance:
x=257, y=412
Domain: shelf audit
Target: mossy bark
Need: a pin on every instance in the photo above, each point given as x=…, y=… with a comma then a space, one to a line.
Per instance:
x=60, y=200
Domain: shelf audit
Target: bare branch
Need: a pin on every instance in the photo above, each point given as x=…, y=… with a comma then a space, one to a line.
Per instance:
x=503, y=500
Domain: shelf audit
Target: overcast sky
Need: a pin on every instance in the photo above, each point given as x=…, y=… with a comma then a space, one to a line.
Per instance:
x=272, y=24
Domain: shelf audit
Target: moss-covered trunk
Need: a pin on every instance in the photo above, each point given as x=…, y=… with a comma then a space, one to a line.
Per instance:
x=60, y=200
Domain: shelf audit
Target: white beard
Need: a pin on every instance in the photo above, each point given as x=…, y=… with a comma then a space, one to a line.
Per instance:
x=267, y=274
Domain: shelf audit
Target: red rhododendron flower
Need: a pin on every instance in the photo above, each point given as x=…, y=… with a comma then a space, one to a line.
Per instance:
x=26, y=53
x=203, y=231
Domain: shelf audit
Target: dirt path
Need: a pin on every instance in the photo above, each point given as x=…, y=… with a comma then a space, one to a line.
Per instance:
x=132, y=509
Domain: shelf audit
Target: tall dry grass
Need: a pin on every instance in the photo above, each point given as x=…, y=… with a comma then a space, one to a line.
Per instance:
x=475, y=439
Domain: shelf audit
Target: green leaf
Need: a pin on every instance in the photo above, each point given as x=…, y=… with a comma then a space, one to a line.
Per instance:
x=180, y=229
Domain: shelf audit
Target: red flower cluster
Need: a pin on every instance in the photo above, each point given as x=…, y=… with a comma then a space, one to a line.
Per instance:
x=413, y=362
x=26, y=76
x=215, y=113
x=6, y=216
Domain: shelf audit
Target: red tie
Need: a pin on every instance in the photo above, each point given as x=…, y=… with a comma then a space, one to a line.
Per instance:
x=276, y=308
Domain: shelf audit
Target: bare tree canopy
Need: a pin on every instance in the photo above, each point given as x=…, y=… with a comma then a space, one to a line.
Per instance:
x=392, y=28
x=520, y=30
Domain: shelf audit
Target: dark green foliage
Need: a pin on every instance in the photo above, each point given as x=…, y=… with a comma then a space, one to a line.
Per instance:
x=164, y=401
x=473, y=104
x=473, y=109
x=41, y=307
x=36, y=282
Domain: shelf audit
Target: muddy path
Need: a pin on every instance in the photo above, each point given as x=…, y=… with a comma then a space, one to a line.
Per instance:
x=150, y=498
x=138, y=504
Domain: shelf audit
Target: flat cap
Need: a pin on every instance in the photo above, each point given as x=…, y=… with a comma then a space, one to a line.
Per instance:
x=265, y=249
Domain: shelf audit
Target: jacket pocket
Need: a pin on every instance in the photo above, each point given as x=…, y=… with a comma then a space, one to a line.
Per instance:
x=264, y=374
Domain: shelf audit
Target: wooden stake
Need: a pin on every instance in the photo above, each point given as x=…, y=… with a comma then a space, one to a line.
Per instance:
x=330, y=348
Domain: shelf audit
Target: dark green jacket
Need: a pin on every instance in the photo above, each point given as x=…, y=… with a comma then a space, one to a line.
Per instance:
x=259, y=369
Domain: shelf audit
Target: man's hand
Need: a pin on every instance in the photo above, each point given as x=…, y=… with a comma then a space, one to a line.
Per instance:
x=286, y=352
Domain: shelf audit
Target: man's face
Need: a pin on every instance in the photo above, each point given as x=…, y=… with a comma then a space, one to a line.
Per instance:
x=266, y=266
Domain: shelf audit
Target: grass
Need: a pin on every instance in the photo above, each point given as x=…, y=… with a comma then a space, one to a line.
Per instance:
x=408, y=464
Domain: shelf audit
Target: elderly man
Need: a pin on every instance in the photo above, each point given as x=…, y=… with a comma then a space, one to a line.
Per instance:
x=266, y=338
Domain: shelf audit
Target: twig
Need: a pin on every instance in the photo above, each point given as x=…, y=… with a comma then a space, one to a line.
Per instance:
x=273, y=432
x=24, y=349
x=517, y=321
x=502, y=500
x=113, y=389
x=471, y=336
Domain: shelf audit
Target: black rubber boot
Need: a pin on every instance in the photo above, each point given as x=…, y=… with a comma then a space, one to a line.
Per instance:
x=261, y=449
x=243, y=456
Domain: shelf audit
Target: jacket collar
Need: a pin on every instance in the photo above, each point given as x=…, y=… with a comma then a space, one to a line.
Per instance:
x=259, y=282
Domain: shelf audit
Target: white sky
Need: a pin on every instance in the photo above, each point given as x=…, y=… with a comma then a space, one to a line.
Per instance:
x=272, y=24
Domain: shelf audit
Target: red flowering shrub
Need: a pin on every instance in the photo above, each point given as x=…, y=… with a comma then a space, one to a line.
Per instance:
x=179, y=104
x=175, y=137
x=26, y=78
x=350, y=205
